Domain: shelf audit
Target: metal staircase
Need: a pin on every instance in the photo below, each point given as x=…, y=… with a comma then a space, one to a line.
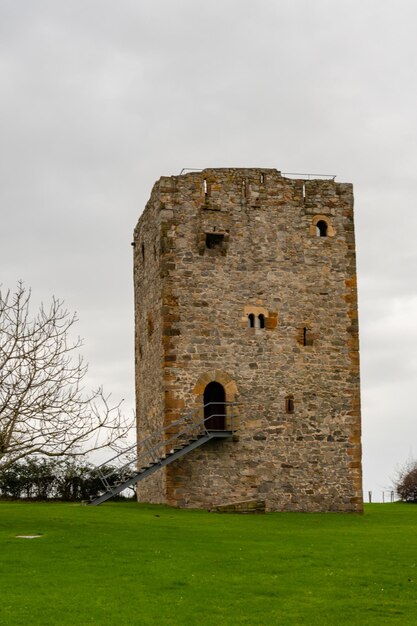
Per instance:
x=163, y=447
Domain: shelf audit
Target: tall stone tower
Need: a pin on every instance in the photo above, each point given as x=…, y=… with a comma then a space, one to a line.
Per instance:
x=245, y=291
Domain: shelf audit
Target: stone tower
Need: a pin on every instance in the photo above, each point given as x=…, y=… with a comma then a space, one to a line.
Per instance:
x=245, y=291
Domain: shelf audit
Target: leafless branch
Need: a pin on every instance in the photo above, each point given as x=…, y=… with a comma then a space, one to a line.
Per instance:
x=44, y=406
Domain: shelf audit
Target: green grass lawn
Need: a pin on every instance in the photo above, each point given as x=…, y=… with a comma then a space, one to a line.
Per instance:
x=134, y=564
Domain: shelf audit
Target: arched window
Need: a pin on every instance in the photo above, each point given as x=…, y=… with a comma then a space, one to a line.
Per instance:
x=257, y=320
x=321, y=228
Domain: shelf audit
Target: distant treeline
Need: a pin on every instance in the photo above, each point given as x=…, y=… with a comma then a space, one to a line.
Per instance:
x=43, y=479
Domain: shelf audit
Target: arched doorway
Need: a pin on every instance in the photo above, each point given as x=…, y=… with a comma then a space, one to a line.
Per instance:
x=214, y=406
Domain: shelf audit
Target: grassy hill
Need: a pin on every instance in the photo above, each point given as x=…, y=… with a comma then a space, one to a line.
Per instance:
x=151, y=565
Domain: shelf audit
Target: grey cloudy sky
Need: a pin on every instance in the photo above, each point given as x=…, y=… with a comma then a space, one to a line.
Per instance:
x=100, y=98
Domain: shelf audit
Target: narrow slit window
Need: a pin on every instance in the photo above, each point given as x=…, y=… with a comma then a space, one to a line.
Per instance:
x=261, y=319
x=143, y=252
x=321, y=228
x=262, y=178
x=304, y=192
x=244, y=188
x=150, y=325
x=251, y=320
x=307, y=337
x=205, y=187
x=289, y=404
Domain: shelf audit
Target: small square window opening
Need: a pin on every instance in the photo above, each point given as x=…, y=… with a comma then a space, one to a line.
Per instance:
x=214, y=241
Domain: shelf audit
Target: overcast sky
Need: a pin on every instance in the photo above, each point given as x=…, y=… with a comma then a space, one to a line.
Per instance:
x=100, y=98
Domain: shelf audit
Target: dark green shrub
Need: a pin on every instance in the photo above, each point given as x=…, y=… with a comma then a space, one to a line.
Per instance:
x=407, y=483
x=42, y=479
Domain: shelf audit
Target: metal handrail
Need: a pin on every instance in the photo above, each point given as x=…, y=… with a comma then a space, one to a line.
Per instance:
x=135, y=445
x=145, y=451
x=310, y=176
x=191, y=169
x=299, y=174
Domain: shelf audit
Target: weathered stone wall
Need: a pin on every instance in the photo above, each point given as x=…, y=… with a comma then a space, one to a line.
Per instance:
x=150, y=407
x=263, y=258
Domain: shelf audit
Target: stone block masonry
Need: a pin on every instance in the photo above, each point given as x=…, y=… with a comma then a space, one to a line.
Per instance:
x=245, y=281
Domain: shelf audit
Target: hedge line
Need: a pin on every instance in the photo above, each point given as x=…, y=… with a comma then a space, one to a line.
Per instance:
x=43, y=479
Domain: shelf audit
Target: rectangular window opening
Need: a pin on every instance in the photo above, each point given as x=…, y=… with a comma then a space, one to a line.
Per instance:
x=307, y=337
x=214, y=241
x=289, y=404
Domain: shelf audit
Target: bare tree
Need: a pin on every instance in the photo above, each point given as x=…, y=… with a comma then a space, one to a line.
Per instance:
x=406, y=481
x=44, y=405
